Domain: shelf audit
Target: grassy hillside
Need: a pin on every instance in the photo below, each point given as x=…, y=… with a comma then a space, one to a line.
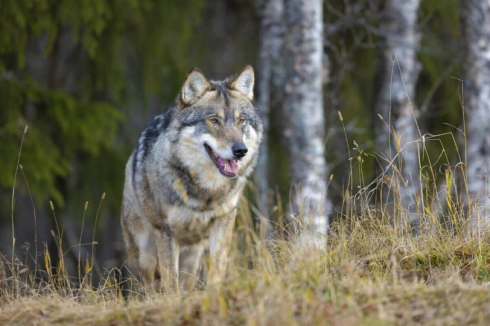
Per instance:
x=367, y=273
x=392, y=263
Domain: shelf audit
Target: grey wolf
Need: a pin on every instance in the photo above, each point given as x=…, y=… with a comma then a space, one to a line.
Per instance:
x=185, y=177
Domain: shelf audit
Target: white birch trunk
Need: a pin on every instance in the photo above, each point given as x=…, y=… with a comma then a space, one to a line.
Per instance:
x=476, y=33
x=395, y=103
x=303, y=111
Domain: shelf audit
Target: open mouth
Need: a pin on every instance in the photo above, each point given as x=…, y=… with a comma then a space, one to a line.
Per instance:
x=228, y=168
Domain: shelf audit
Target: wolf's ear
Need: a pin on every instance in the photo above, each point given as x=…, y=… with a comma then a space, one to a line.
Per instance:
x=244, y=82
x=194, y=87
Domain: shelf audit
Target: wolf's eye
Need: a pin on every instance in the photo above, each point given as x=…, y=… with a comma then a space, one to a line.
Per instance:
x=213, y=120
x=241, y=120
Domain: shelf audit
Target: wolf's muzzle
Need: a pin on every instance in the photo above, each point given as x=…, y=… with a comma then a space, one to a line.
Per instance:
x=239, y=150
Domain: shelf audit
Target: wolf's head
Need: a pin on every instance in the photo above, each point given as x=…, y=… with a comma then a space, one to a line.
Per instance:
x=219, y=129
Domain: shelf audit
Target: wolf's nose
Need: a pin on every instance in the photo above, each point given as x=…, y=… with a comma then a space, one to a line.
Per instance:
x=239, y=150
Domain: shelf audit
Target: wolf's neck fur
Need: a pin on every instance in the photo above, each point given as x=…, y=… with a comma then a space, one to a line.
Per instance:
x=200, y=187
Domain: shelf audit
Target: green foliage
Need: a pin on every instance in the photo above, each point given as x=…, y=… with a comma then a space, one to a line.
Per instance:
x=353, y=49
x=62, y=127
x=101, y=59
x=20, y=19
x=111, y=53
x=440, y=58
x=445, y=14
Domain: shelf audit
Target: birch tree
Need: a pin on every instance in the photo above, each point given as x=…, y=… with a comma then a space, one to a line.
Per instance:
x=476, y=34
x=400, y=70
x=303, y=110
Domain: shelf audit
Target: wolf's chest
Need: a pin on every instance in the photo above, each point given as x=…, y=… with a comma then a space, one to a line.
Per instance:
x=191, y=225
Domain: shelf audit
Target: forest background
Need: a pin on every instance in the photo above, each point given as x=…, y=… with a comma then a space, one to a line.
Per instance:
x=87, y=76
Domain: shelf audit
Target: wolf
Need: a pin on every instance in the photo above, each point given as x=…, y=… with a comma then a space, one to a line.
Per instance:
x=185, y=177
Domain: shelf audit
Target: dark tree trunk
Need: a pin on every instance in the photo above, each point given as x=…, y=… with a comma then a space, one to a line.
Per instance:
x=269, y=74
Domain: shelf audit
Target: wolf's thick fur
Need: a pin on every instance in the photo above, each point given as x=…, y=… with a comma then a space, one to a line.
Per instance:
x=185, y=177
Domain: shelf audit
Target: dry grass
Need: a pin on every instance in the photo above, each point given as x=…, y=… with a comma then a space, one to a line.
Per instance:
x=367, y=274
x=370, y=270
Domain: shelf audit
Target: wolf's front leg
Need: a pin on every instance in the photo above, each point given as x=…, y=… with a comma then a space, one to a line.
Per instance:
x=168, y=259
x=219, y=246
x=189, y=263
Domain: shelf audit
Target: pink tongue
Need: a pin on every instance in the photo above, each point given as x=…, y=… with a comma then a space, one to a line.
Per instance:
x=233, y=166
x=229, y=166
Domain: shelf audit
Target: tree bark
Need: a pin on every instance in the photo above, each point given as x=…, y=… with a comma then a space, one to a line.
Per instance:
x=303, y=109
x=476, y=33
x=269, y=74
x=400, y=70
